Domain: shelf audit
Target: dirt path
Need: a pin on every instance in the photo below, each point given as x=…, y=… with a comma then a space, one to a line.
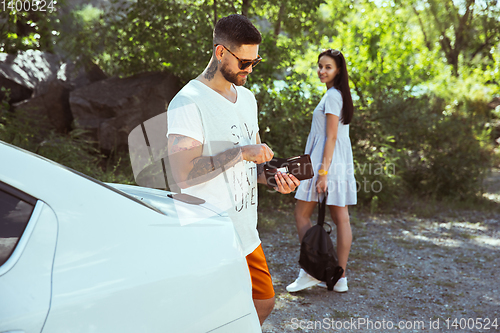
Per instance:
x=403, y=272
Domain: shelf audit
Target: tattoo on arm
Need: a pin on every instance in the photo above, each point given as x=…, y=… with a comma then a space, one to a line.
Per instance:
x=205, y=164
x=180, y=143
x=211, y=70
x=203, y=168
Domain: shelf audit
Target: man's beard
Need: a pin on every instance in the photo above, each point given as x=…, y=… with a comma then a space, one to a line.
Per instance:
x=233, y=77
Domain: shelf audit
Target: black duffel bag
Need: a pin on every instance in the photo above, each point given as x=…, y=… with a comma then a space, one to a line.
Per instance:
x=317, y=254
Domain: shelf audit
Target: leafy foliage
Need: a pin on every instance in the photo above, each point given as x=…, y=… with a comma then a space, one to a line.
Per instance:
x=73, y=150
x=421, y=75
x=465, y=31
x=28, y=29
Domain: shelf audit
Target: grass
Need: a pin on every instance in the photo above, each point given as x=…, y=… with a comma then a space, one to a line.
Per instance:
x=355, y=219
x=355, y=266
x=452, y=207
x=449, y=297
x=341, y=315
x=289, y=297
x=277, y=266
x=377, y=251
x=446, y=284
x=415, y=278
x=466, y=235
x=270, y=219
x=405, y=244
x=364, y=292
x=464, y=260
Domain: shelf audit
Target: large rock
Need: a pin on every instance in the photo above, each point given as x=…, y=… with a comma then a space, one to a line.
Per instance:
x=40, y=84
x=77, y=75
x=16, y=93
x=51, y=109
x=111, y=108
x=23, y=73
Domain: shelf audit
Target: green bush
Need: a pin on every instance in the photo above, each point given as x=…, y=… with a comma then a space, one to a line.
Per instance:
x=418, y=127
x=285, y=117
x=73, y=150
x=448, y=155
x=439, y=148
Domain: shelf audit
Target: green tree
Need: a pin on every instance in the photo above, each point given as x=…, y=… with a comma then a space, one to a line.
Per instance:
x=465, y=31
x=408, y=106
x=28, y=29
x=421, y=74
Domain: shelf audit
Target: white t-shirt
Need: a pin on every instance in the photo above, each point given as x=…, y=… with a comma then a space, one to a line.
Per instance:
x=201, y=113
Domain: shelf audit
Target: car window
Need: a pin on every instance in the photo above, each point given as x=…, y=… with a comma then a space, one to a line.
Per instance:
x=16, y=208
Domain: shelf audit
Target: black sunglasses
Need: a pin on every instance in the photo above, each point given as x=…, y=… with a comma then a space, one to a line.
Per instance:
x=242, y=64
x=333, y=52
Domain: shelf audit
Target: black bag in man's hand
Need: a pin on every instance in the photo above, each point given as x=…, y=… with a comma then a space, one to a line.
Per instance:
x=317, y=255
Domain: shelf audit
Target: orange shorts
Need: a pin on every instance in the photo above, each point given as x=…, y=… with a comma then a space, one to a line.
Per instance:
x=262, y=284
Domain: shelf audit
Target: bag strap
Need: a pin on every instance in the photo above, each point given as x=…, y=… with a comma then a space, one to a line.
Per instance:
x=333, y=274
x=321, y=215
x=321, y=211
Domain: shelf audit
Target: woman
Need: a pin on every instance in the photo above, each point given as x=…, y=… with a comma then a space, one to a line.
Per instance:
x=330, y=149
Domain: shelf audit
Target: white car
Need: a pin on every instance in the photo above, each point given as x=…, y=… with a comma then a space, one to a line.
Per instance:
x=78, y=255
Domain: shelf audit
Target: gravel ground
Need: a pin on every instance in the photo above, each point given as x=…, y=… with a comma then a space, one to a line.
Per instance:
x=403, y=271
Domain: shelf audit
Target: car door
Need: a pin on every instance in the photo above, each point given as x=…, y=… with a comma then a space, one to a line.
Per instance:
x=123, y=267
x=28, y=235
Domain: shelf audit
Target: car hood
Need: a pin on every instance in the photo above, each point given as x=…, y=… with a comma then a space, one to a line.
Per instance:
x=168, y=203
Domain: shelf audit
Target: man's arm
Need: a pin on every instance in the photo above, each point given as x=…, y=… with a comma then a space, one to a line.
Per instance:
x=261, y=177
x=190, y=168
x=188, y=165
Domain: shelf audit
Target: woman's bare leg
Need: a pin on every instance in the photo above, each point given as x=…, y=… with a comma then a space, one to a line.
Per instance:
x=340, y=216
x=303, y=212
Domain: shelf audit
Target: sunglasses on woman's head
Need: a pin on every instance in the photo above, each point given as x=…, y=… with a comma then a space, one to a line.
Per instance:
x=242, y=64
x=333, y=52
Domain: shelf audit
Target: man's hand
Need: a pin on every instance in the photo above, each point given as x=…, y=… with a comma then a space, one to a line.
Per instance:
x=286, y=182
x=258, y=154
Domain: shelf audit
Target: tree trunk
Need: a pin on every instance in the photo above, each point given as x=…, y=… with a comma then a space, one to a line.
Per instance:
x=215, y=12
x=426, y=39
x=277, y=26
x=244, y=7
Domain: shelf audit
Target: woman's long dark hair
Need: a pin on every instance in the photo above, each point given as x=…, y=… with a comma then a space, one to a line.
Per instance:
x=341, y=82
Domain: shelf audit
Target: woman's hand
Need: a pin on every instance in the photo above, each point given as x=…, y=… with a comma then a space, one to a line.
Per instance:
x=322, y=184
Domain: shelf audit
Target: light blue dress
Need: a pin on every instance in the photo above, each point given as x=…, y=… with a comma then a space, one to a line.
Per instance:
x=341, y=182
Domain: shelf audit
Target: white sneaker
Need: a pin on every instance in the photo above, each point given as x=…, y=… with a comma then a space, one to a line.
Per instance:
x=340, y=286
x=302, y=282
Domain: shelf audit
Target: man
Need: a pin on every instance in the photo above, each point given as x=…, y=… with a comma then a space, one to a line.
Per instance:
x=213, y=132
